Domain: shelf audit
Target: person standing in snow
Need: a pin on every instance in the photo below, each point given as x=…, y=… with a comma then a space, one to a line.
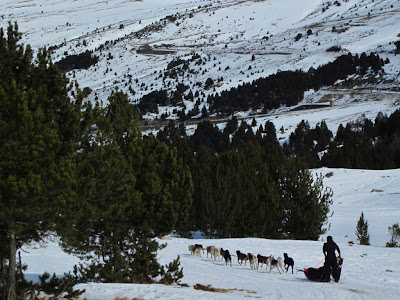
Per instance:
x=330, y=265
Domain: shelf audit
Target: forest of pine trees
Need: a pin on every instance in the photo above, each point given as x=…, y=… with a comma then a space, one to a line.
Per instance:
x=362, y=144
x=245, y=185
x=243, y=177
x=77, y=61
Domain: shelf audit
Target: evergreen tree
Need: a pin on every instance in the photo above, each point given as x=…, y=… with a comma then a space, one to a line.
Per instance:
x=204, y=112
x=362, y=230
x=323, y=136
x=394, y=232
x=261, y=211
x=203, y=211
x=231, y=125
x=397, y=44
x=132, y=189
x=39, y=131
x=207, y=134
x=306, y=203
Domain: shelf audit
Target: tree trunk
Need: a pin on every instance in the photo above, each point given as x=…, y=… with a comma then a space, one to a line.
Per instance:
x=12, y=266
x=3, y=278
x=21, y=273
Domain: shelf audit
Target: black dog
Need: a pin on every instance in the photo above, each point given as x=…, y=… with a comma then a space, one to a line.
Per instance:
x=241, y=257
x=288, y=262
x=227, y=256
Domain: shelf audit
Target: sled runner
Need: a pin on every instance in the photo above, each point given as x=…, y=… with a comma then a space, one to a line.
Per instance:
x=318, y=274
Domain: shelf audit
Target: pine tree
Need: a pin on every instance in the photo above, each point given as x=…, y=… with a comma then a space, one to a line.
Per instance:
x=39, y=131
x=394, y=232
x=204, y=112
x=397, y=44
x=362, y=230
x=173, y=274
x=231, y=125
x=306, y=203
x=131, y=190
x=203, y=210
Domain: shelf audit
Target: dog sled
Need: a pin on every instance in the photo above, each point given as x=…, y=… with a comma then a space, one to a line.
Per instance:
x=318, y=274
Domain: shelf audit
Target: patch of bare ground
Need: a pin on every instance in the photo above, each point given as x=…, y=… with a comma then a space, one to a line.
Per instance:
x=209, y=288
x=126, y=298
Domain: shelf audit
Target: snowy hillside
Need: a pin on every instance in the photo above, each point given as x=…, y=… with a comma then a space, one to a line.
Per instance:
x=376, y=193
x=369, y=272
x=222, y=35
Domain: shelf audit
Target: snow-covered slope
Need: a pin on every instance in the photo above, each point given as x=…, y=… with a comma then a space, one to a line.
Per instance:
x=224, y=34
x=374, y=192
x=369, y=272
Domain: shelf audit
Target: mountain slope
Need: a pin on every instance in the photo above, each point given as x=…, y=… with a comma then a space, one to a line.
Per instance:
x=231, y=42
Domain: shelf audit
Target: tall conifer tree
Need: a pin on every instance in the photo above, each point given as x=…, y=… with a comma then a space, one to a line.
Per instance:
x=362, y=230
x=131, y=189
x=306, y=202
x=39, y=128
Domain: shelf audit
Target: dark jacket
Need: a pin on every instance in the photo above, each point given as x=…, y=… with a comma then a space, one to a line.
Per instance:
x=329, y=249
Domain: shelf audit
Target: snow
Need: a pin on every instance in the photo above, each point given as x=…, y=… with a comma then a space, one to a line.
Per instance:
x=369, y=272
x=374, y=192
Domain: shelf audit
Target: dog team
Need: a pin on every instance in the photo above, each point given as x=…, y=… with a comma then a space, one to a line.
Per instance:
x=217, y=253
